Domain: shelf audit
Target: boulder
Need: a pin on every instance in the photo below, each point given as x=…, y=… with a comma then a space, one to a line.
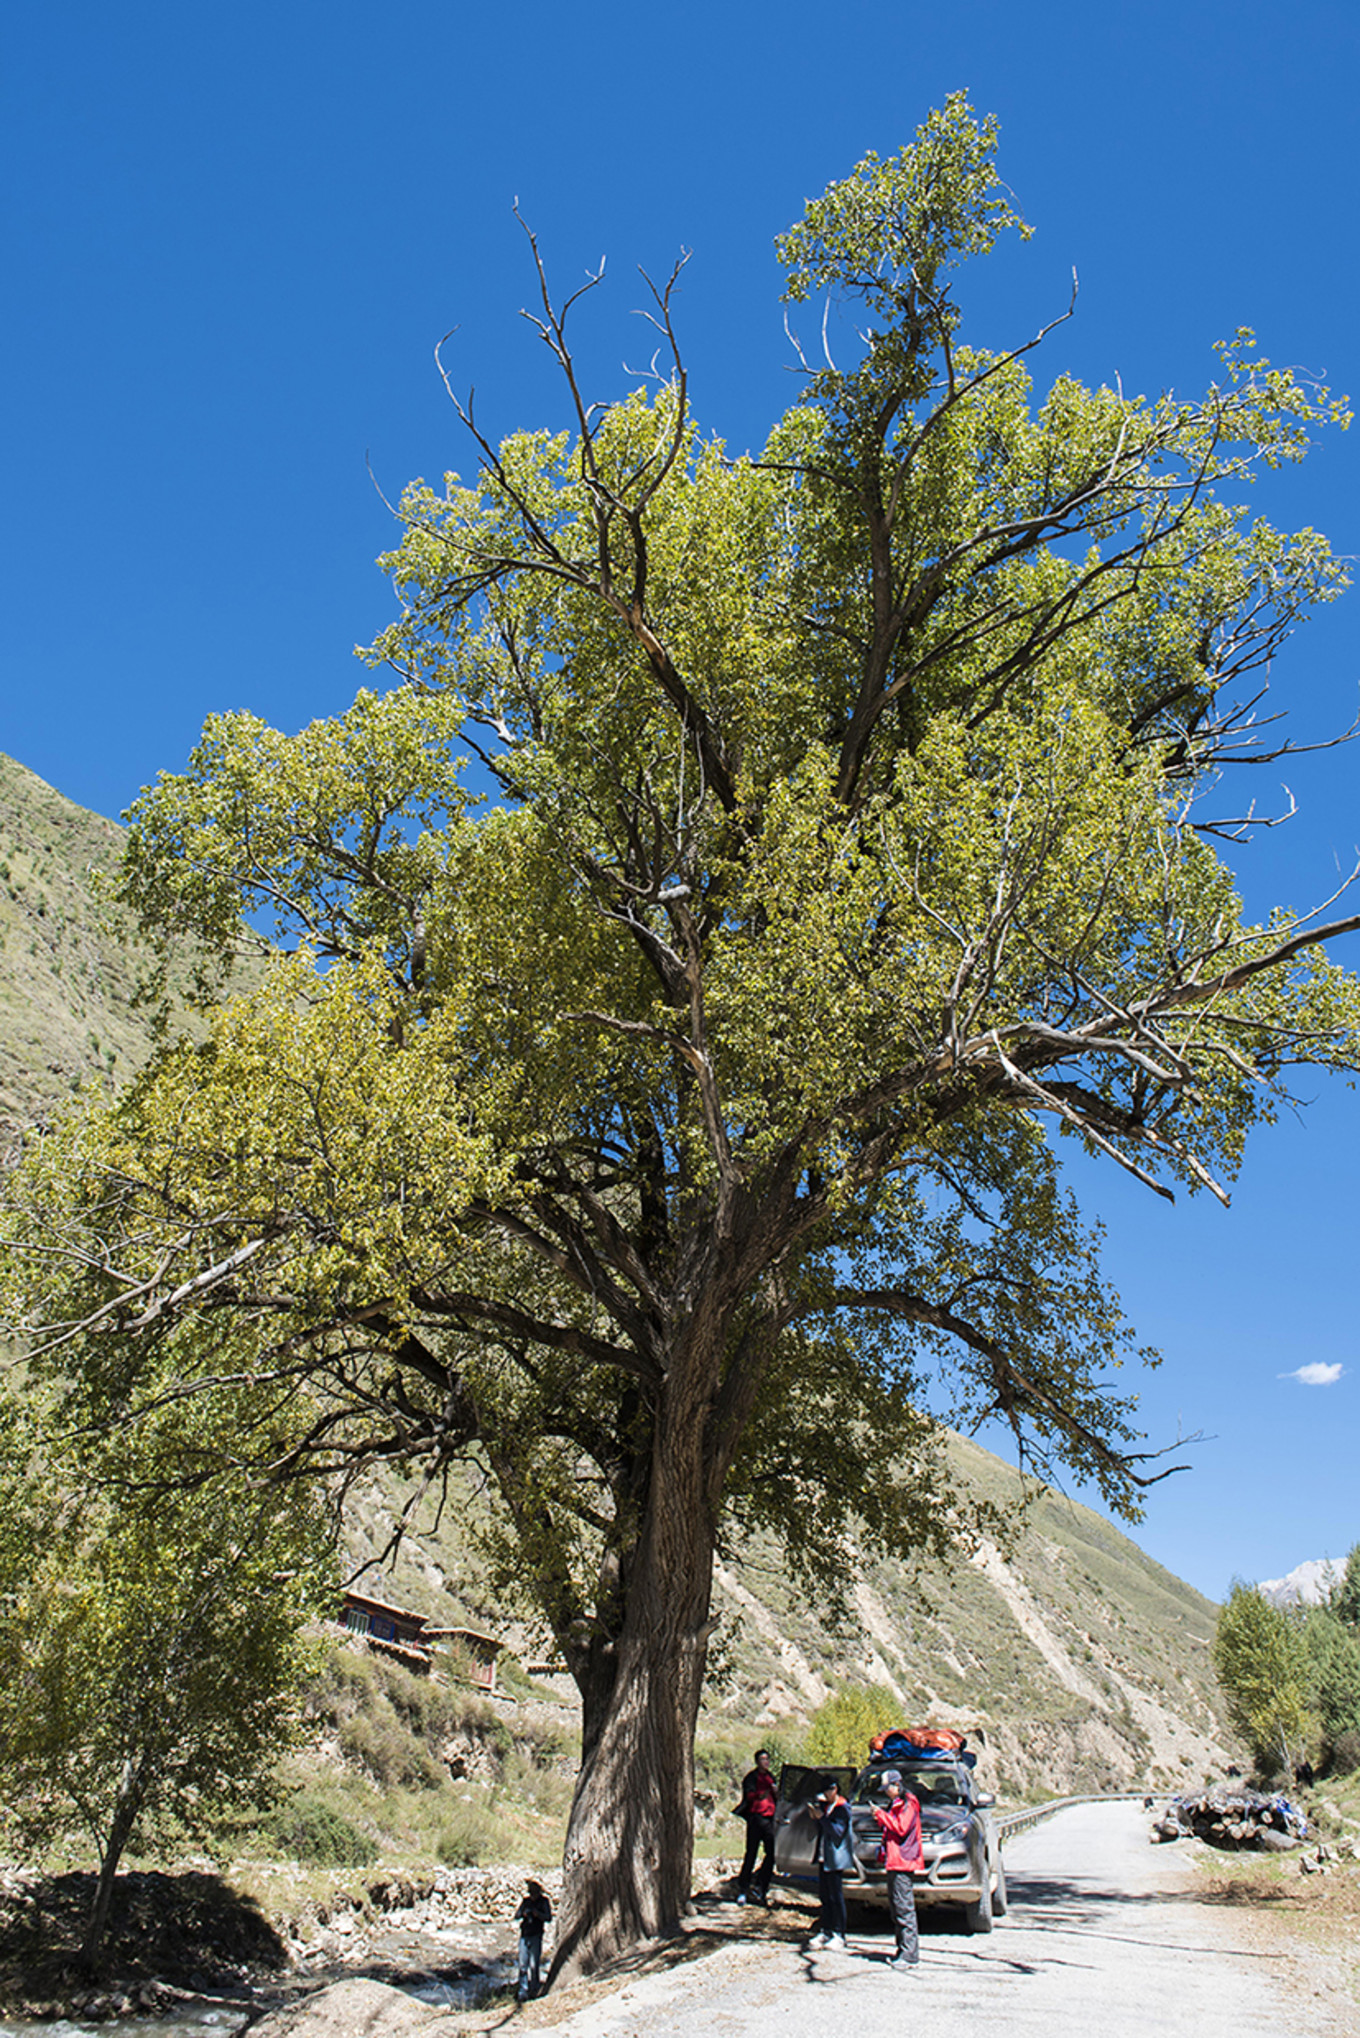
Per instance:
x=349, y=2009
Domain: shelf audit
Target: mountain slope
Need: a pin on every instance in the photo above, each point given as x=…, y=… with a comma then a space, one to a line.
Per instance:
x=1084, y=1662
x=70, y=962
x=1307, y=1584
x=67, y=971
x=1077, y=1660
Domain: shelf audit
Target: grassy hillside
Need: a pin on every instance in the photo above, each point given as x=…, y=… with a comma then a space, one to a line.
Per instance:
x=69, y=963
x=67, y=977
x=1084, y=1664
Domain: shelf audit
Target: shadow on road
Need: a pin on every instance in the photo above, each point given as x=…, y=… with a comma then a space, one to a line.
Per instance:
x=1094, y=1910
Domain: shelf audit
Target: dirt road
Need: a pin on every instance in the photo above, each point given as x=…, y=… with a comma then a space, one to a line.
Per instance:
x=1105, y=1939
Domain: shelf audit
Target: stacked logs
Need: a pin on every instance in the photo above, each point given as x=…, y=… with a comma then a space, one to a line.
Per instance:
x=1232, y=1818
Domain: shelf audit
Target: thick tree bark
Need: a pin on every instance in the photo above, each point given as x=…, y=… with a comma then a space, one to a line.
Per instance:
x=631, y=1832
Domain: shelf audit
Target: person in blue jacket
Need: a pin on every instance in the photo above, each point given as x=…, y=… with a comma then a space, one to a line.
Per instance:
x=835, y=1857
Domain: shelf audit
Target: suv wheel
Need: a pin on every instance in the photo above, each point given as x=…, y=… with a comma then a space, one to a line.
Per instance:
x=978, y=1917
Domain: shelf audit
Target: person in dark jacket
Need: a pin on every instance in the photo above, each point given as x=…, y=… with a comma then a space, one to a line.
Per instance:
x=900, y=1825
x=756, y=1806
x=533, y=1914
x=835, y=1857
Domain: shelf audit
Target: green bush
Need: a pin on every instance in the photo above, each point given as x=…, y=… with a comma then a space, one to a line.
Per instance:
x=468, y=1837
x=307, y=1829
x=377, y=1742
x=550, y=1744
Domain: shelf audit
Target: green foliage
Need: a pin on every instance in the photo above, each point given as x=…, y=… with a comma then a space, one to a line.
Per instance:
x=1290, y=1674
x=393, y=1724
x=1344, y=1601
x=1262, y=1660
x=1334, y=1653
x=844, y=1724
x=150, y=1652
x=307, y=1829
x=469, y=1836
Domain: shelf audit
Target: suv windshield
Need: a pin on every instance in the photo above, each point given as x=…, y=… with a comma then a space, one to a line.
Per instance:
x=932, y=1786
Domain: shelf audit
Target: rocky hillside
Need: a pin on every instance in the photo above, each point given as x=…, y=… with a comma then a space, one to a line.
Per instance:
x=1081, y=1662
x=1078, y=1662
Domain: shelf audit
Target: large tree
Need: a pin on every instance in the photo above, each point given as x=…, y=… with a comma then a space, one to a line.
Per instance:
x=669, y=1130
x=1262, y=1659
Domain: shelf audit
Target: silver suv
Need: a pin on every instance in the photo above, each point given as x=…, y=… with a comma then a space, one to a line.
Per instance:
x=959, y=1840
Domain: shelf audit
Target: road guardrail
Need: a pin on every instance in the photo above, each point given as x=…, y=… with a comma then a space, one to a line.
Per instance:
x=1010, y=1823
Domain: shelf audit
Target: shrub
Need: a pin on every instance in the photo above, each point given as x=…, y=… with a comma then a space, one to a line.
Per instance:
x=468, y=1837
x=843, y=1726
x=387, y=1751
x=308, y=1829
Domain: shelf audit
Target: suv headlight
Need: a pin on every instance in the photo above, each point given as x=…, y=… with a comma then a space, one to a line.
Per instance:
x=958, y=1831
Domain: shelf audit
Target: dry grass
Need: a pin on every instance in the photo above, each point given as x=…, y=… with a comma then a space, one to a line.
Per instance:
x=1313, y=1920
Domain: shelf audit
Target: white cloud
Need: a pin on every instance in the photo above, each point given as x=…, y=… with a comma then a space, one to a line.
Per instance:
x=1315, y=1375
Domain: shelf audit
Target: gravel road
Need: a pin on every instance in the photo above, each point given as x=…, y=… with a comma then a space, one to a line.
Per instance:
x=1104, y=1940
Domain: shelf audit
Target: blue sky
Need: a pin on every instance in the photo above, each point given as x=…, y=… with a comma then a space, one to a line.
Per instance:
x=234, y=235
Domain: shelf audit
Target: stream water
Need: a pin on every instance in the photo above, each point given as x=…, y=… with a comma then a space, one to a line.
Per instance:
x=225, y=2020
x=209, y=2020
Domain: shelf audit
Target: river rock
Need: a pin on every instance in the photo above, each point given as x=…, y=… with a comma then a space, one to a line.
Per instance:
x=349, y=2009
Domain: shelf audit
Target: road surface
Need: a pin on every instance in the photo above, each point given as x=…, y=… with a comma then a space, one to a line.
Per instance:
x=1104, y=1939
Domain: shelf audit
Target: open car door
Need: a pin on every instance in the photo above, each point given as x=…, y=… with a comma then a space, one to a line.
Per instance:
x=795, y=1829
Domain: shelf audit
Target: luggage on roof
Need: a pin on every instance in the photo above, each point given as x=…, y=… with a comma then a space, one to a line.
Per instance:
x=902, y=1742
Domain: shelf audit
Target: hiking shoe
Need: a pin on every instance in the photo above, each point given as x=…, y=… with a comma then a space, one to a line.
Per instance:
x=836, y=1943
x=819, y=1940
x=742, y=1897
x=901, y=1965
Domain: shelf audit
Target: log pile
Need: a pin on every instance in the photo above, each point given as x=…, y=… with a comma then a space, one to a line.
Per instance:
x=1232, y=1818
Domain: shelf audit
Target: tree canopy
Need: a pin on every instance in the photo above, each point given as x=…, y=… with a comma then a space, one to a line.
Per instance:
x=1263, y=1667
x=1291, y=1675
x=744, y=868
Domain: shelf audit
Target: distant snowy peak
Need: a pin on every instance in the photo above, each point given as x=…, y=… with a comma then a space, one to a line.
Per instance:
x=1306, y=1585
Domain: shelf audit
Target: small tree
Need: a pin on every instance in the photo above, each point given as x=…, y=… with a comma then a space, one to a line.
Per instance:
x=1265, y=1672
x=844, y=1724
x=150, y=1647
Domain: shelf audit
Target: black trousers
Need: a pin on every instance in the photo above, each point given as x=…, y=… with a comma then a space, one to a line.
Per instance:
x=831, y=1890
x=759, y=1833
x=902, y=1899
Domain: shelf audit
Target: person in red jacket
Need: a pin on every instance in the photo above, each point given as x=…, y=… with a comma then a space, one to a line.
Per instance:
x=756, y=1806
x=900, y=1825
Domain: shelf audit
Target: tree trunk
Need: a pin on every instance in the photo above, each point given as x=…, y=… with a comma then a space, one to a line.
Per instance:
x=127, y=1804
x=631, y=1833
